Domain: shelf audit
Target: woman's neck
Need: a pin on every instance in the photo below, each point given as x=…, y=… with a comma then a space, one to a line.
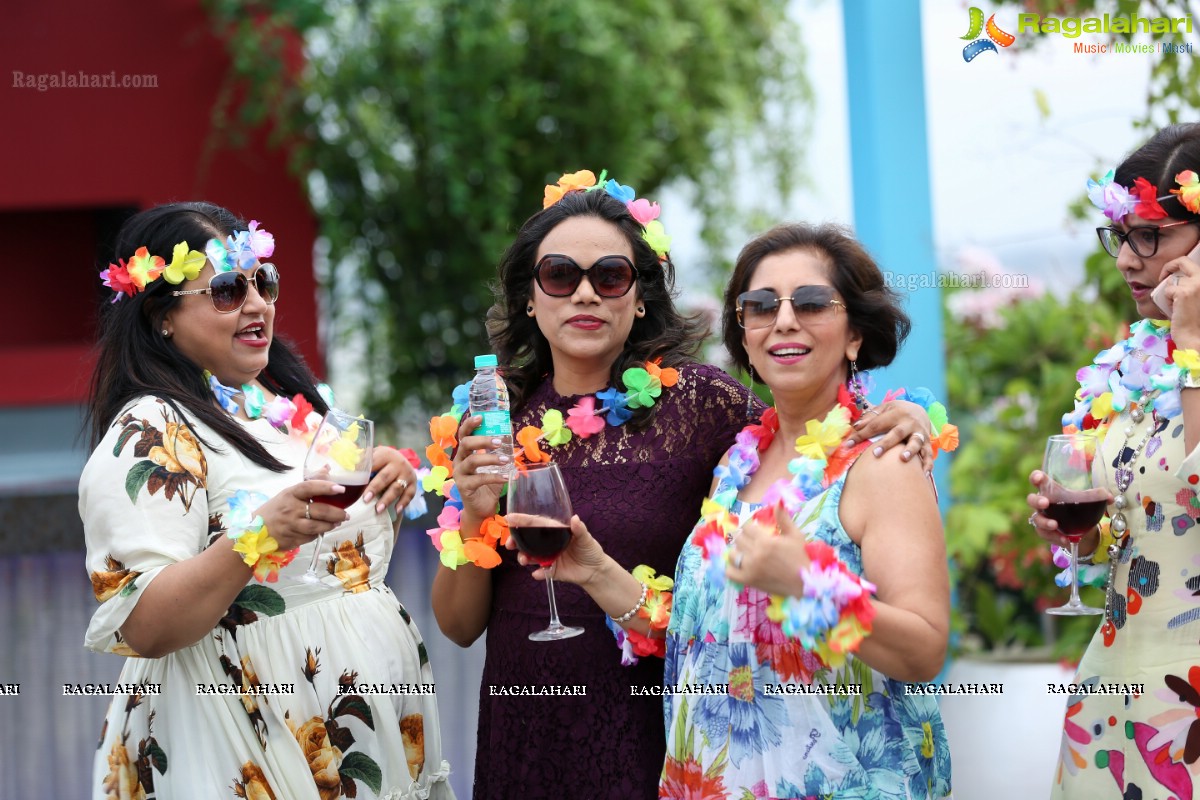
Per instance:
x=795, y=413
x=575, y=378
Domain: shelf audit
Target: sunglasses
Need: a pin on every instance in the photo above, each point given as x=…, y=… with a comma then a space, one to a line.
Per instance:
x=760, y=308
x=610, y=276
x=228, y=290
x=1142, y=239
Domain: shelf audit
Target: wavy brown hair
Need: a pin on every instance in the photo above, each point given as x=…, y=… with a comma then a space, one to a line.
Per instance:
x=522, y=348
x=873, y=308
x=134, y=360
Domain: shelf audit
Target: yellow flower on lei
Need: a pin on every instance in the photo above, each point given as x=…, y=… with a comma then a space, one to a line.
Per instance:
x=1186, y=359
x=1102, y=406
x=822, y=438
x=553, y=430
x=255, y=544
x=185, y=264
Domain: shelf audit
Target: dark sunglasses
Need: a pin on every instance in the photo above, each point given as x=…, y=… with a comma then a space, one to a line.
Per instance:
x=610, y=276
x=759, y=309
x=1142, y=239
x=228, y=290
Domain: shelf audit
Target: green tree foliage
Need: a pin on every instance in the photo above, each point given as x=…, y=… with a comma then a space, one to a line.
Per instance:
x=1009, y=386
x=428, y=128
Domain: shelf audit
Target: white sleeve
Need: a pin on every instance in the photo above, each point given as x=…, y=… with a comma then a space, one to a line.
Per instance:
x=144, y=503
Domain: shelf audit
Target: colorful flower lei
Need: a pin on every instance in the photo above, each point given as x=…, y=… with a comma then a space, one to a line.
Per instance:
x=240, y=250
x=645, y=212
x=293, y=417
x=834, y=613
x=645, y=385
x=1116, y=201
x=259, y=549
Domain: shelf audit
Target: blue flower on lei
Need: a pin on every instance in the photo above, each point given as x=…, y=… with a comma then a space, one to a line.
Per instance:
x=618, y=408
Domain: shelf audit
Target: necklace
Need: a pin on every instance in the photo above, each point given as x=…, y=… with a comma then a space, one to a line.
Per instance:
x=287, y=416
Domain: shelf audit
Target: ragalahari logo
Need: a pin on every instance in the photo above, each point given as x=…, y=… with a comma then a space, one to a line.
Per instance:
x=994, y=37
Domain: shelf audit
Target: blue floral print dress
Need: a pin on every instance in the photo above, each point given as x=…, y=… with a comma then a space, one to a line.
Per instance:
x=786, y=726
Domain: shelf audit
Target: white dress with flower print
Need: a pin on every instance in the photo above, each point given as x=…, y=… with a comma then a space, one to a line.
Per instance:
x=340, y=699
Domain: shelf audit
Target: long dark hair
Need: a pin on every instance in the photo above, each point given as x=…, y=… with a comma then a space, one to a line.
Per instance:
x=872, y=307
x=1172, y=150
x=135, y=360
x=518, y=342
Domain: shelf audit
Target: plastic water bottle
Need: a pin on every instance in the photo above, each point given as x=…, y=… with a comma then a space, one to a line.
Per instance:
x=489, y=399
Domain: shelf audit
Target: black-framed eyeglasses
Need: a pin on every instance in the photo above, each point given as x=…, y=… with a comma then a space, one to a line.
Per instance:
x=759, y=308
x=610, y=276
x=228, y=290
x=1142, y=239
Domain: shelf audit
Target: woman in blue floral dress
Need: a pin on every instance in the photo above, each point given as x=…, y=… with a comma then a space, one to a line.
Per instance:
x=789, y=657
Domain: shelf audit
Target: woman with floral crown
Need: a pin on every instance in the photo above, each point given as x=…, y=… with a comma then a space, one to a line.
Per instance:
x=1132, y=729
x=602, y=379
x=814, y=588
x=241, y=681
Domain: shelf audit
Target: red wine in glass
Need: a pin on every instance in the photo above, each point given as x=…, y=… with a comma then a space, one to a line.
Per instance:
x=542, y=543
x=1076, y=518
x=537, y=497
x=345, y=500
x=1074, y=486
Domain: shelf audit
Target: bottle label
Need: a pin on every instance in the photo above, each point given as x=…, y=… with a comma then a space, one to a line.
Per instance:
x=495, y=423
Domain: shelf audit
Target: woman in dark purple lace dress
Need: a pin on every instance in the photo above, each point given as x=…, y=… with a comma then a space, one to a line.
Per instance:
x=569, y=321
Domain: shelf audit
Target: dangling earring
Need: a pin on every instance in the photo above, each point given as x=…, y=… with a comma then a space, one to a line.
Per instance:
x=855, y=386
x=750, y=395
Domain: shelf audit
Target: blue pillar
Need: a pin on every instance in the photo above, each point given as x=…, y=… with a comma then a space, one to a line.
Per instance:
x=889, y=167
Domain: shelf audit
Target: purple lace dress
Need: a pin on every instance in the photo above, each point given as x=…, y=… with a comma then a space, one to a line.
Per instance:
x=639, y=494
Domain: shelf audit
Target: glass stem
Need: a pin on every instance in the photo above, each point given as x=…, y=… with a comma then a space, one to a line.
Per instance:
x=312, y=565
x=1074, y=601
x=554, y=621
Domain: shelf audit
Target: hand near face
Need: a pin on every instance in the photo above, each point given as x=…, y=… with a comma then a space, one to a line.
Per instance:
x=1181, y=298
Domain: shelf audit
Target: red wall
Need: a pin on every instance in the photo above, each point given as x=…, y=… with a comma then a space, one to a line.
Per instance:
x=68, y=153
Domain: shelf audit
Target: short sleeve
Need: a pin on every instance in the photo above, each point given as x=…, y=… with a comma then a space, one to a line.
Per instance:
x=144, y=504
x=725, y=407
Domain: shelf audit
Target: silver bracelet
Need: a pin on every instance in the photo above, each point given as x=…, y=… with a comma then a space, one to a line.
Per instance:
x=628, y=615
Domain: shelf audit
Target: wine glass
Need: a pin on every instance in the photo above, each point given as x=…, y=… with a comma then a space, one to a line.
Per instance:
x=340, y=452
x=537, y=493
x=1074, y=487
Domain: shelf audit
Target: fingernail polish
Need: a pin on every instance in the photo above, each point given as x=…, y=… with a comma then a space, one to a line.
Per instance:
x=379, y=508
x=503, y=459
x=496, y=442
x=906, y=455
x=878, y=451
x=367, y=496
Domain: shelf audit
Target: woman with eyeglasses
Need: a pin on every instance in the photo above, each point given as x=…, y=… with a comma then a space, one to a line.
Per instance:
x=814, y=588
x=1131, y=730
x=586, y=324
x=241, y=679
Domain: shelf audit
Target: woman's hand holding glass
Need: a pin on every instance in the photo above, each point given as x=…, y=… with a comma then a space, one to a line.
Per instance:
x=580, y=562
x=293, y=519
x=394, y=481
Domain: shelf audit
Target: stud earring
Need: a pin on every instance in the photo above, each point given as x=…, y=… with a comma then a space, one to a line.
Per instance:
x=166, y=334
x=529, y=310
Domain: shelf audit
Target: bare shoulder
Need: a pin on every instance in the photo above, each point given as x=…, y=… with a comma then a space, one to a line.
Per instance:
x=883, y=486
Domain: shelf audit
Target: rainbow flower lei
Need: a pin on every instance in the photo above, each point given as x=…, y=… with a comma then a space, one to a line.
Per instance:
x=240, y=250
x=1116, y=201
x=644, y=387
x=645, y=212
x=292, y=417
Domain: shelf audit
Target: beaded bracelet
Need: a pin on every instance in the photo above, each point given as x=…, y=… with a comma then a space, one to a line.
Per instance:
x=260, y=551
x=628, y=615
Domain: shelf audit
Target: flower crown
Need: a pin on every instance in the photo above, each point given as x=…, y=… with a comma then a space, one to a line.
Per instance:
x=1116, y=201
x=645, y=212
x=239, y=250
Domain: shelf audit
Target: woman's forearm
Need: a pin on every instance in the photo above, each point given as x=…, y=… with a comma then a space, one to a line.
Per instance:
x=185, y=601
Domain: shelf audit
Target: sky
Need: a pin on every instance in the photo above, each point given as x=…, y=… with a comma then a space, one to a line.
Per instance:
x=1002, y=172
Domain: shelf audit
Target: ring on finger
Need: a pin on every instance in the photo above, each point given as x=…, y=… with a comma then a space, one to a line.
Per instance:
x=402, y=483
x=1031, y=518
x=737, y=560
x=308, y=510
x=874, y=410
x=920, y=436
x=1177, y=277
